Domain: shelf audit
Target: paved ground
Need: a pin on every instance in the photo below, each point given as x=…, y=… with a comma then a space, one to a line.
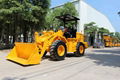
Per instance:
x=97, y=64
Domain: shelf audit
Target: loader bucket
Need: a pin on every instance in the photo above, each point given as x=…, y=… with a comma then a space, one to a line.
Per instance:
x=25, y=54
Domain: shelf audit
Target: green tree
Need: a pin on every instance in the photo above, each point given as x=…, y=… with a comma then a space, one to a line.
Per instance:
x=111, y=34
x=68, y=8
x=90, y=28
x=8, y=10
x=103, y=30
x=19, y=17
x=117, y=34
x=34, y=13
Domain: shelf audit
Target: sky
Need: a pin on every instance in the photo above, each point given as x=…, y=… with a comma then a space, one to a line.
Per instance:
x=110, y=8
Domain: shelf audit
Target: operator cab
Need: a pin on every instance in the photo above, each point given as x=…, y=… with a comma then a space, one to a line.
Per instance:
x=69, y=32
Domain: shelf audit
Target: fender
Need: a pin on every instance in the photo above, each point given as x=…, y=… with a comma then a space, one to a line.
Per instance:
x=58, y=37
x=85, y=44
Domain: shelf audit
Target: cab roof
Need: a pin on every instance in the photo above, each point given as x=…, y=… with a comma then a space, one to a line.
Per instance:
x=67, y=17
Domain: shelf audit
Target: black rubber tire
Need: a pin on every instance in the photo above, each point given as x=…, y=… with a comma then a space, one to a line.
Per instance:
x=53, y=50
x=78, y=53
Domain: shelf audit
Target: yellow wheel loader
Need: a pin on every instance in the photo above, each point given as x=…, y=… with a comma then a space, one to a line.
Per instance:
x=58, y=44
x=107, y=41
x=111, y=41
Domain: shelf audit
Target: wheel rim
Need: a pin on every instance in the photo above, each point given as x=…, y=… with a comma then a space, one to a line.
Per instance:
x=81, y=49
x=61, y=50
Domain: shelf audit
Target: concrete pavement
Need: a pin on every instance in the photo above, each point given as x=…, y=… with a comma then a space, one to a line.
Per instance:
x=97, y=64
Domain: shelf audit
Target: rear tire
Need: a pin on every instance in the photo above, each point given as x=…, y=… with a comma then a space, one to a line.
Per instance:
x=58, y=50
x=80, y=49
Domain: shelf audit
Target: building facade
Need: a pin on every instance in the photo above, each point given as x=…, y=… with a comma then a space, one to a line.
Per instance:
x=89, y=14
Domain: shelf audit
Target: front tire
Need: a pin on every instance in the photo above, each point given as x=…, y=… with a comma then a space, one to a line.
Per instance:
x=80, y=49
x=58, y=50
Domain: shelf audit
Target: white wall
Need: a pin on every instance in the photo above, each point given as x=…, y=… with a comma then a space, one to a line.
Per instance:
x=88, y=14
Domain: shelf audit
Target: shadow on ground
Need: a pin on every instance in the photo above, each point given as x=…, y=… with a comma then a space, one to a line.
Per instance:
x=115, y=51
x=106, y=57
x=9, y=78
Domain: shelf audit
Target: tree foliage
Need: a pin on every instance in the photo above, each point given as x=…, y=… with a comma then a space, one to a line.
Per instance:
x=90, y=28
x=21, y=17
x=68, y=8
x=94, y=32
x=103, y=30
x=117, y=34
